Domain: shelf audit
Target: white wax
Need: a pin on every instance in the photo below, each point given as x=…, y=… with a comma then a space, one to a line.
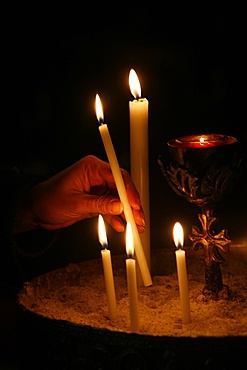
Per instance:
x=183, y=285
x=139, y=162
x=132, y=290
x=142, y=262
x=109, y=283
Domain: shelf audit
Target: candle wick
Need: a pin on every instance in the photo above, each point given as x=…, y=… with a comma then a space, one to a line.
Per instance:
x=130, y=255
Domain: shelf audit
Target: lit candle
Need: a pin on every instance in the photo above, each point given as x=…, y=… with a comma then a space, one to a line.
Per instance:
x=178, y=236
x=131, y=280
x=107, y=267
x=202, y=141
x=105, y=135
x=139, y=150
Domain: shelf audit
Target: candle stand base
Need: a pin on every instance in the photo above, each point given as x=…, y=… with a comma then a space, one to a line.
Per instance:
x=63, y=319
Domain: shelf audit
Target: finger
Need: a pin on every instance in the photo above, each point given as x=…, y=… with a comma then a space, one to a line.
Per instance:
x=115, y=222
x=104, y=204
x=132, y=193
x=139, y=218
x=118, y=222
x=140, y=229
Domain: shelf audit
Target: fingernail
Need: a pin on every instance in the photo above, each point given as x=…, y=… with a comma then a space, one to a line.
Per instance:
x=137, y=206
x=121, y=228
x=115, y=207
x=141, y=229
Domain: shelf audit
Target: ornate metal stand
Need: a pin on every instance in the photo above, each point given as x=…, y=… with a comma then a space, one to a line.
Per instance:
x=212, y=244
x=204, y=177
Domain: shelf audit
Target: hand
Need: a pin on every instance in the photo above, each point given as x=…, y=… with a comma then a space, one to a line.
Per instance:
x=83, y=190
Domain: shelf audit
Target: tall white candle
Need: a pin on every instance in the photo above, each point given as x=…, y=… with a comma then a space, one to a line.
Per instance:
x=107, y=268
x=105, y=135
x=178, y=236
x=131, y=280
x=139, y=153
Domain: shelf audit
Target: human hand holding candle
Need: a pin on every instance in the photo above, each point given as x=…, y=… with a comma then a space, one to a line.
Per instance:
x=131, y=280
x=107, y=267
x=122, y=192
x=139, y=153
x=178, y=236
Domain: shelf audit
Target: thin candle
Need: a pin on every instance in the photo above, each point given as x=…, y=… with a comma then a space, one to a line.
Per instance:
x=131, y=280
x=139, y=153
x=107, y=268
x=105, y=135
x=178, y=236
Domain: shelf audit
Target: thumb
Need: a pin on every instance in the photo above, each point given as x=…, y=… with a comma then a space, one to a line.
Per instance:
x=109, y=205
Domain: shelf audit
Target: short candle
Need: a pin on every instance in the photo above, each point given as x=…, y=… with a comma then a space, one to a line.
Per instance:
x=182, y=273
x=131, y=280
x=107, y=267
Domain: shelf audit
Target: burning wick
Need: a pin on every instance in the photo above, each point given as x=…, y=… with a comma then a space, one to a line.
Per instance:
x=202, y=140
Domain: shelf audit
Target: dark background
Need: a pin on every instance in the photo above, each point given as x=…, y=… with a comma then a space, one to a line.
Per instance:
x=190, y=60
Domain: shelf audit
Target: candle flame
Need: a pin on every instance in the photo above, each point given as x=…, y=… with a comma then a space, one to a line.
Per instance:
x=99, y=109
x=178, y=235
x=129, y=240
x=102, y=232
x=134, y=83
x=202, y=140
